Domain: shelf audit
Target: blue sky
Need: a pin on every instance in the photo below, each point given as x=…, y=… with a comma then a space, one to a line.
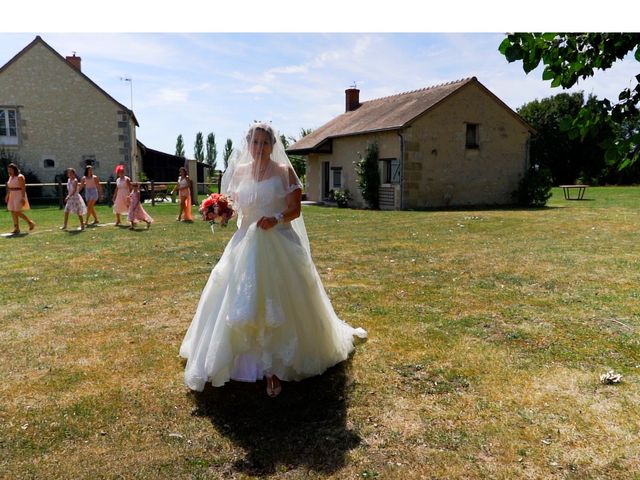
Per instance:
x=220, y=82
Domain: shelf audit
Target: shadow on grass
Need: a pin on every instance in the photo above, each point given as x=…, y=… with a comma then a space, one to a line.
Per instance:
x=305, y=426
x=14, y=235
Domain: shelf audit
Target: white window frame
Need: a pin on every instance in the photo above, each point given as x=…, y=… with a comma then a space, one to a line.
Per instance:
x=336, y=172
x=9, y=139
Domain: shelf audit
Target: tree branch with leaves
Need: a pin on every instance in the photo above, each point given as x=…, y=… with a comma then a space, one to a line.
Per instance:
x=570, y=57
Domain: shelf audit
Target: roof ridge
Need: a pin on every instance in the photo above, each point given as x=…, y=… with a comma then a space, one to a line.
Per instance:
x=461, y=80
x=39, y=39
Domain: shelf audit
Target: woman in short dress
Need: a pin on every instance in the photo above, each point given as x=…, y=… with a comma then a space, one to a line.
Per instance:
x=73, y=201
x=92, y=193
x=136, y=210
x=121, y=194
x=184, y=195
x=16, y=198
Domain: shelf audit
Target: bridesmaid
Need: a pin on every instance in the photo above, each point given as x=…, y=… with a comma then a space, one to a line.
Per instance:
x=73, y=202
x=16, y=198
x=184, y=194
x=121, y=194
x=136, y=210
x=92, y=193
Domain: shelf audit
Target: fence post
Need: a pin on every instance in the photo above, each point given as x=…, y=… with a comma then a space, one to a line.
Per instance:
x=219, y=182
x=61, y=196
x=153, y=194
x=109, y=195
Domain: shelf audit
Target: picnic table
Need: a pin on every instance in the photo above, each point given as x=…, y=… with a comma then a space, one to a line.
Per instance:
x=566, y=189
x=156, y=192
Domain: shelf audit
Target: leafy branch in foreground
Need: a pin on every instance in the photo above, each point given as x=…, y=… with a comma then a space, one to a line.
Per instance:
x=569, y=57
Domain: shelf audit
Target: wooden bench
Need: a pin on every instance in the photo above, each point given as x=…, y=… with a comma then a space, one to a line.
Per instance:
x=566, y=189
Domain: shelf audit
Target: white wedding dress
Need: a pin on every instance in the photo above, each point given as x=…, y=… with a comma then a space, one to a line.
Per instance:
x=264, y=310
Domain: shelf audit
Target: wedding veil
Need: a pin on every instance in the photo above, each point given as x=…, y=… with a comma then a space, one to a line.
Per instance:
x=246, y=170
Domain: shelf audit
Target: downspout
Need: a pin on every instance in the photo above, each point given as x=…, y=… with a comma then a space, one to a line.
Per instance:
x=401, y=169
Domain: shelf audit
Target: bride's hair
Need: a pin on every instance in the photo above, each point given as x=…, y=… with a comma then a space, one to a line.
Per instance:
x=265, y=128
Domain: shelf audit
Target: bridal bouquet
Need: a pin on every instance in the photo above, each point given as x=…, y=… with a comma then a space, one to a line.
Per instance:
x=216, y=208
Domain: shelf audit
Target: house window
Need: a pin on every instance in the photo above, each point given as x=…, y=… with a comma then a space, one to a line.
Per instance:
x=8, y=126
x=49, y=163
x=336, y=177
x=472, y=138
x=389, y=170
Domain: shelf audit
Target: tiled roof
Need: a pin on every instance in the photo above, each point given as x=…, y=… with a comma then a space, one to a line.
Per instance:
x=387, y=113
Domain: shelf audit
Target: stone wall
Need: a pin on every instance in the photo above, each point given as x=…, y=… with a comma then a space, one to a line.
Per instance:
x=438, y=169
x=345, y=153
x=64, y=117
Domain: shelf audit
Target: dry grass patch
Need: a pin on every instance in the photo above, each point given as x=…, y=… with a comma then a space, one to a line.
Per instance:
x=488, y=332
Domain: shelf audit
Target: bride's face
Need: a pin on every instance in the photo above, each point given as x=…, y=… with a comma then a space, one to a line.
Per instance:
x=260, y=145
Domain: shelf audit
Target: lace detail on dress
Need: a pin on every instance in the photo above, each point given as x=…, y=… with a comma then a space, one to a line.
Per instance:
x=273, y=313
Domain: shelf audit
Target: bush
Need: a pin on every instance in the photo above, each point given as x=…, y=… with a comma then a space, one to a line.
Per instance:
x=369, y=176
x=534, y=189
x=341, y=197
x=7, y=157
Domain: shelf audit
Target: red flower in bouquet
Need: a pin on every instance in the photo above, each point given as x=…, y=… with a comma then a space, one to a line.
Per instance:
x=216, y=208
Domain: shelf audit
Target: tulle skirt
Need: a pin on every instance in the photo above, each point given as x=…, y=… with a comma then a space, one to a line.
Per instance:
x=262, y=312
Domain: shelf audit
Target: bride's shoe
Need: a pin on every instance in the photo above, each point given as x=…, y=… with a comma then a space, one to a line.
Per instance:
x=273, y=388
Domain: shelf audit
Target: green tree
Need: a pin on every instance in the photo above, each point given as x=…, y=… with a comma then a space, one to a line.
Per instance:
x=305, y=131
x=226, y=154
x=297, y=161
x=569, y=57
x=552, y=148
x=180, y=147
x=198, y=148
x=369, y=176
x=212, y=151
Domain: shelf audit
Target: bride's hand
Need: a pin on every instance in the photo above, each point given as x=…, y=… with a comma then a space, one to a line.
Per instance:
x=266, y=223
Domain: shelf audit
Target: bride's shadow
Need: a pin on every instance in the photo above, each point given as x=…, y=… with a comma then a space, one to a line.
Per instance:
x=305, y=426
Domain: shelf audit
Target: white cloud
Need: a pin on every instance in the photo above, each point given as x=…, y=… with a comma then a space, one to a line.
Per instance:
x=169, y=96
x=255, y=89
x=185, y=83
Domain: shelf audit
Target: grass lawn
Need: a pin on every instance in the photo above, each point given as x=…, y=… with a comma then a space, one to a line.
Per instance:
x=489, y=330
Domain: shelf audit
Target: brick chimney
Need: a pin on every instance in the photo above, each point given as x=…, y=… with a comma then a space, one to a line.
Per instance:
x=352, y=96
x=74, y=61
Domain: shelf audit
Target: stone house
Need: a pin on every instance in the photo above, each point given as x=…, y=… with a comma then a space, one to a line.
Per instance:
x=52, y=116
x=453, y=144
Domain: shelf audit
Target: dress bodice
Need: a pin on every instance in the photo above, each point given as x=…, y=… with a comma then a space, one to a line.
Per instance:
x=264, y=198
x=90, y=182
x=14, y=182
x=121, y=182
x=72, y=187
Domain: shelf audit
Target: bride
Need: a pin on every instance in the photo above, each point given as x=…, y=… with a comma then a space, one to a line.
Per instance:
x=264, y=312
